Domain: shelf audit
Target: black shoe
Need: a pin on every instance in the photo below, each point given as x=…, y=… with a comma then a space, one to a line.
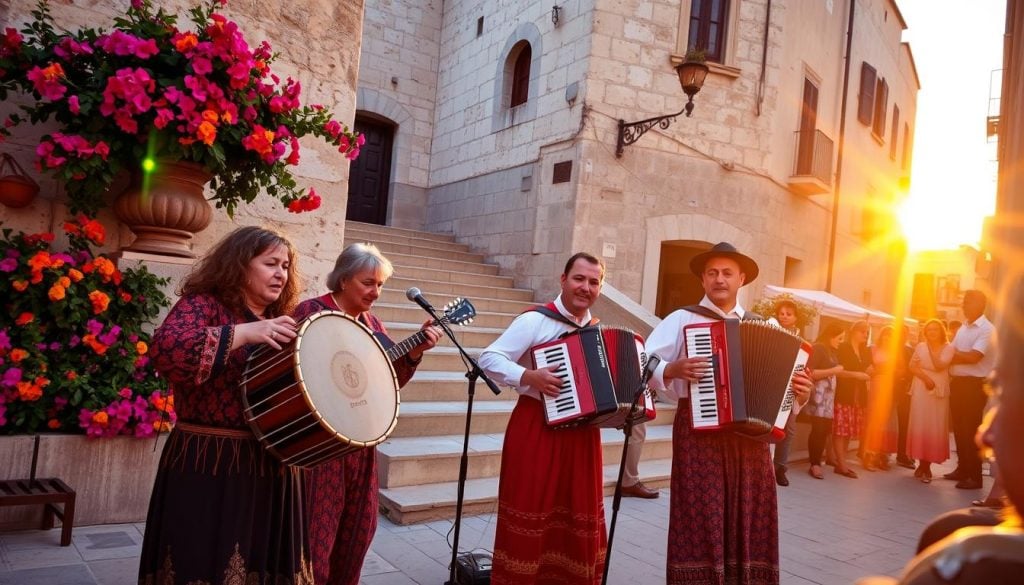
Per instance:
x=955, y=475
x=969, y=484
x=780, y=477
x=905, y=461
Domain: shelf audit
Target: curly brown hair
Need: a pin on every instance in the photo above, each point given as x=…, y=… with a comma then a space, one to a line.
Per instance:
x=224, y=270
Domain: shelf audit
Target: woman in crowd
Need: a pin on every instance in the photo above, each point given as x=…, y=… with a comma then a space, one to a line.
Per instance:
x=851, y=392
x=786, y=315
x=223, y=510
x=880, y=426
x=824, y=368
x=342, y=494
x=928, y=436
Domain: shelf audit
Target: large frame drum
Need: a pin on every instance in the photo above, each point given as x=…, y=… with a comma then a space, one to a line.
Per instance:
x=329, y=392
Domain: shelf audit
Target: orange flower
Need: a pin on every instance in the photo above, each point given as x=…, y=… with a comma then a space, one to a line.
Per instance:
x=53, y=424
x=64, y=281
x=76, y=275
x=90, y=340
x=141, y=347
x=126, y=297
x=29, y=392
x=210, y=116
x=18, y=354
x=186, y=42
x=161, y=425
x=20, y=285
x=24, y=318
x=100, y=418
x=71, y=375
x=56, y=293
x=94, y=231
x=207, y=133
x=40, y=260
x=99, y=301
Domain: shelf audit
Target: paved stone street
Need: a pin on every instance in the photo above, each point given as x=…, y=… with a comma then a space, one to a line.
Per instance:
x=833, y=532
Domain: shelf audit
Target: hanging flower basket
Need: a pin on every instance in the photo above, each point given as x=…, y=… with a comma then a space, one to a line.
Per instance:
x=16, y=188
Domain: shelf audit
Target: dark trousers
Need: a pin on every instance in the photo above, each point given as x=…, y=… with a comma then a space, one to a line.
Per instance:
x=966, y=403
x=821, y=429
x=903, y=418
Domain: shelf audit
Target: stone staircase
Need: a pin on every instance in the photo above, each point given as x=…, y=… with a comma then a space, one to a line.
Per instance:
x=419, y=463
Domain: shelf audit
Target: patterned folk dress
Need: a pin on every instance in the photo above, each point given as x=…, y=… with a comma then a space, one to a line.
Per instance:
x=341, y=495
x=223, y=511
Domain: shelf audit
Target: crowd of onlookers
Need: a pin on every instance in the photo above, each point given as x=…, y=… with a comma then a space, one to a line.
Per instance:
x=898, y=400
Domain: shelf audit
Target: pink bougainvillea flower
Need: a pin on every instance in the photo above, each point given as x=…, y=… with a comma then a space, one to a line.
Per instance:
x=46, y=81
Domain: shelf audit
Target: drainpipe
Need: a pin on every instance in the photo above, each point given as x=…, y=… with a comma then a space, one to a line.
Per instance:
x=764, y=56
x=839, y=153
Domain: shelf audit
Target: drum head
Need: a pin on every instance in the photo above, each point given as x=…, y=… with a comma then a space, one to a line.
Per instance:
x=349, y=381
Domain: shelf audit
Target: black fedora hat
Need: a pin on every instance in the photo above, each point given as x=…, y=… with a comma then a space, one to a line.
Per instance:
x=725, y=250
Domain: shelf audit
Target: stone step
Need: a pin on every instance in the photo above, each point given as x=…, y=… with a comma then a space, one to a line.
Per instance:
x=392, y=295
x=467, y=336
x=389, y=245
x=426, y=418
x=404, y=262
x=397, y=285
x=373, y=229
x=423, y=503
x=404, y=461
x=410, y=313
x=417, y=273
x=427, y=386
x=446, y=358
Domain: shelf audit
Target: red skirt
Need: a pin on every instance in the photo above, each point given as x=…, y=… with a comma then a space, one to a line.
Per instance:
x=341, y=509
x=723, y=525
x=550, y=525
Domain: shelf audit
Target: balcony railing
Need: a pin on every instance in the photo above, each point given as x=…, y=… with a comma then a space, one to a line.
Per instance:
x=813, y=156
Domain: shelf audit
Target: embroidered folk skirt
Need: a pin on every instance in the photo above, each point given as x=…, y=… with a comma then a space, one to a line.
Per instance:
x=223, y=511
x=550, y=525
x=342, y=512
x=723, y=524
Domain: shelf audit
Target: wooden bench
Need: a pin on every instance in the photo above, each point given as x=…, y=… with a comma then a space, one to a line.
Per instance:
x=50, y=491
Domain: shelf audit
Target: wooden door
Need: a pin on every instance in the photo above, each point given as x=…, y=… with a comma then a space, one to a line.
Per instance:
x=370, y=174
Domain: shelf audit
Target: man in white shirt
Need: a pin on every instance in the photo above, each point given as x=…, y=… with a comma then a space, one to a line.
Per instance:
x=550, y=494
x=723, y=524
x=972, y=363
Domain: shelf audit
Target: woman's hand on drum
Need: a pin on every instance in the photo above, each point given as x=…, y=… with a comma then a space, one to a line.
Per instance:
x=433, y=334
x=690, y=369
x=276, y=332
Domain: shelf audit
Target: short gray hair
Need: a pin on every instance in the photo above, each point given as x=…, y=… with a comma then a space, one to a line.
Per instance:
x=357, y=258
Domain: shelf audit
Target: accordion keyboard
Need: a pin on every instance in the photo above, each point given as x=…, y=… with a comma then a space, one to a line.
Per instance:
x=567, y=404
x=703, y=397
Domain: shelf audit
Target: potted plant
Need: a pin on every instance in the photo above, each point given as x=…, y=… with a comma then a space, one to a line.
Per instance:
x=16, y=188
x=148, y=97
x=73, y=339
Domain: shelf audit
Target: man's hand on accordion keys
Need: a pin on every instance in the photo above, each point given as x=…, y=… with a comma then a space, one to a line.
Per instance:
x=802, y=386
x=543, y=380
x=689, y=368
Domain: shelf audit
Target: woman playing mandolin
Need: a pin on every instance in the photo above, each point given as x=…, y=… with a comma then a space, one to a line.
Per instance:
x=342, y=494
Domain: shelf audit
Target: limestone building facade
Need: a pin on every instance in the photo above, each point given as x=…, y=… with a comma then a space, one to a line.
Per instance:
x=498, y=123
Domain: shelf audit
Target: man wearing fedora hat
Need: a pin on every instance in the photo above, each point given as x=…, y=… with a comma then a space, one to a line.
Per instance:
x=723, y=525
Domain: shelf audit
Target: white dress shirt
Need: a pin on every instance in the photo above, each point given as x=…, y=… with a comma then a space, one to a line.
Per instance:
x=666, y=342
x=975, y=336
x=507, y=358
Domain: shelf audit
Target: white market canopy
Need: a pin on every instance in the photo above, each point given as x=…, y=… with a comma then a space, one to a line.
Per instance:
x=830, y=305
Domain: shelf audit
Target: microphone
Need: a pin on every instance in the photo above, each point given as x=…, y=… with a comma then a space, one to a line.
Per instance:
x=414, y=295
x=652, y=364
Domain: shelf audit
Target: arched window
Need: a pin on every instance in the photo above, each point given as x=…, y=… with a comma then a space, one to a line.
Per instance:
x=521, y=76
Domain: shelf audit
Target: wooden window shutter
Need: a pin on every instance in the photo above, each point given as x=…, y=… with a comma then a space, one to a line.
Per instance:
x=866, y=106
x=881, y=105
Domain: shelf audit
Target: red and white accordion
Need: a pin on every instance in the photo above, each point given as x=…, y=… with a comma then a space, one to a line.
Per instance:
x=601, y=369
x=747, y=389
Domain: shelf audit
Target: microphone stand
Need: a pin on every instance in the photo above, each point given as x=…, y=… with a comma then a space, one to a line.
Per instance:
x=627, y=429
x=472, y=374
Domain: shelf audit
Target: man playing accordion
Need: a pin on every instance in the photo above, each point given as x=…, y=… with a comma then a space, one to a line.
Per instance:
x=723, y=525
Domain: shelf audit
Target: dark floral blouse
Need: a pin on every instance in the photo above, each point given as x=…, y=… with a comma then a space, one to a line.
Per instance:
x=190, y=349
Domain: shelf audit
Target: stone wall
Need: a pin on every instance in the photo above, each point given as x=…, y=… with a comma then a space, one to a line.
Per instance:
x=319, y=45
x=398, y=73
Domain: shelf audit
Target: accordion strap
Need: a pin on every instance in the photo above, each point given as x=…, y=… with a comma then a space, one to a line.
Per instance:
x=551, y=311
x=706, y=312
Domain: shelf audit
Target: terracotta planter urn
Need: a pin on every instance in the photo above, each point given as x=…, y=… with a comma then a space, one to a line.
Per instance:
x=166, y=208
x=16, y=188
